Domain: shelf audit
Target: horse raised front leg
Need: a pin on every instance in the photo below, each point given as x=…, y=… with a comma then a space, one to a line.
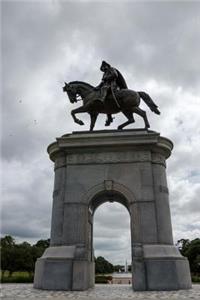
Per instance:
x=76, y=111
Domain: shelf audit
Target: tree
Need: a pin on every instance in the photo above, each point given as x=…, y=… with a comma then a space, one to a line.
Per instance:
x=8, y=259
x=118, y=268
x=183, y=245
x=102, y=266
x=8, y=254
x=43, y=243
x=20, y=257
x=7, y=241
x=191, y=249
x=193, y=255
x=23, y=258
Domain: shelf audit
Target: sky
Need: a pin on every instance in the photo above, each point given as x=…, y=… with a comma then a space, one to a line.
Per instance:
x=155, y=45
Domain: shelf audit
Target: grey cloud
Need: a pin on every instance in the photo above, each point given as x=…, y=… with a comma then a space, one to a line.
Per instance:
x=27, y=200
x=158, y=37
x=155, y=45
x=186, y=199
x=109, y=245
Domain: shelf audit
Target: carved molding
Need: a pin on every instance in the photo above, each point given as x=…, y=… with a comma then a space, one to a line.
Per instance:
x=108, y=157
x=109, y=185
x=158, y=158
x=60, y=162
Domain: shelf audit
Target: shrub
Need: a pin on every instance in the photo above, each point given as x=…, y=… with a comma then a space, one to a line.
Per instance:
x=102, y=279
x=196, y=279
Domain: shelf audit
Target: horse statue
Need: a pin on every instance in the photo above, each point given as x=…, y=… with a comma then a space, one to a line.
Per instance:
x=128, y=102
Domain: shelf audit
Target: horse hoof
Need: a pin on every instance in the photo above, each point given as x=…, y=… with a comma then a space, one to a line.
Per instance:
x=80, y=122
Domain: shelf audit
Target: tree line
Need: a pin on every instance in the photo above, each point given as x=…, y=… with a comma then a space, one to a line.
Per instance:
x=22, y=256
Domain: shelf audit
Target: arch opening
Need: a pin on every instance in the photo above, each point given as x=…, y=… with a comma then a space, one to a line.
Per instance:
x=110, y=234
x=107, y=196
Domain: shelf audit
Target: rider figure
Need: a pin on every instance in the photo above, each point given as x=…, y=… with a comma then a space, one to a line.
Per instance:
x=111, y=80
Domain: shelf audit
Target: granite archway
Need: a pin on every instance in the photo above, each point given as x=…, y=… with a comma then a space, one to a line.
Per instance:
x=91, y=168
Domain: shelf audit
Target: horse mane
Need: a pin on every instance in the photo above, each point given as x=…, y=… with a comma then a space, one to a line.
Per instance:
x=81, y=82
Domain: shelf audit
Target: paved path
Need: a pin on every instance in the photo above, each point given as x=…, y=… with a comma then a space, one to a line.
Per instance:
x=100, y=292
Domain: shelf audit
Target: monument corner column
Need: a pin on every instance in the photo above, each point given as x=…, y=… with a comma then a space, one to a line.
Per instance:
x=56, y=238
x=162, y=260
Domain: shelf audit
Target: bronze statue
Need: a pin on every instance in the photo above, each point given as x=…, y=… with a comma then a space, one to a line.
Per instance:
x=111, y=96
x=112, y=79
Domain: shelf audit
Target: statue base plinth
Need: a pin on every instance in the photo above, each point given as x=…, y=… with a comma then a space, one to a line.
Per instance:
x=160, y=267
x=59, y=269
x=128, y=167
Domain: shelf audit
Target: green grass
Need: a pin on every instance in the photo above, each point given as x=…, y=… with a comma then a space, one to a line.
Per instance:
x=196, y=279
x=17, y=277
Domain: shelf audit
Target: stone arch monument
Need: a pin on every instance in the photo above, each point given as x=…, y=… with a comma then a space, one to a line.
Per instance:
x=94, y=167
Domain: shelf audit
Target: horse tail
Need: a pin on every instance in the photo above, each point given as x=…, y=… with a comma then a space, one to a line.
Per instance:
x=147, y=99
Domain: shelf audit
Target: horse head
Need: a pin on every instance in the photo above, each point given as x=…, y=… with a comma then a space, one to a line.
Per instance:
x=71, y=92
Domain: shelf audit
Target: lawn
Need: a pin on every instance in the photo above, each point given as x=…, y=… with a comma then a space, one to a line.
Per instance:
x=17, y=277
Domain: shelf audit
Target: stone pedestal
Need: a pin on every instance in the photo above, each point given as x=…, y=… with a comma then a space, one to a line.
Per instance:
x=124, y=166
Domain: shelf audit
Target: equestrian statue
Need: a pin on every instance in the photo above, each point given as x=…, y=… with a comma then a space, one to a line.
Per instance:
x=110, y=97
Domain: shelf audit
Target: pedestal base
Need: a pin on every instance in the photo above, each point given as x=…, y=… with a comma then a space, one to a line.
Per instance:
x=160, y=268
x=59, y=269
x=92, y=168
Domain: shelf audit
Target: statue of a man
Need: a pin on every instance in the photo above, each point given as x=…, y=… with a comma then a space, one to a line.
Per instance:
x=112, y=80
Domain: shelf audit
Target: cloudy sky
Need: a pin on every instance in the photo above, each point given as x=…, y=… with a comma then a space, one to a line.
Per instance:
x=156, y=46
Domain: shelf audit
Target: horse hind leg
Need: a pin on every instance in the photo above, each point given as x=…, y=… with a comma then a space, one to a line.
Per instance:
x=109, y=120
x=143, y=114
x=130, y=118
